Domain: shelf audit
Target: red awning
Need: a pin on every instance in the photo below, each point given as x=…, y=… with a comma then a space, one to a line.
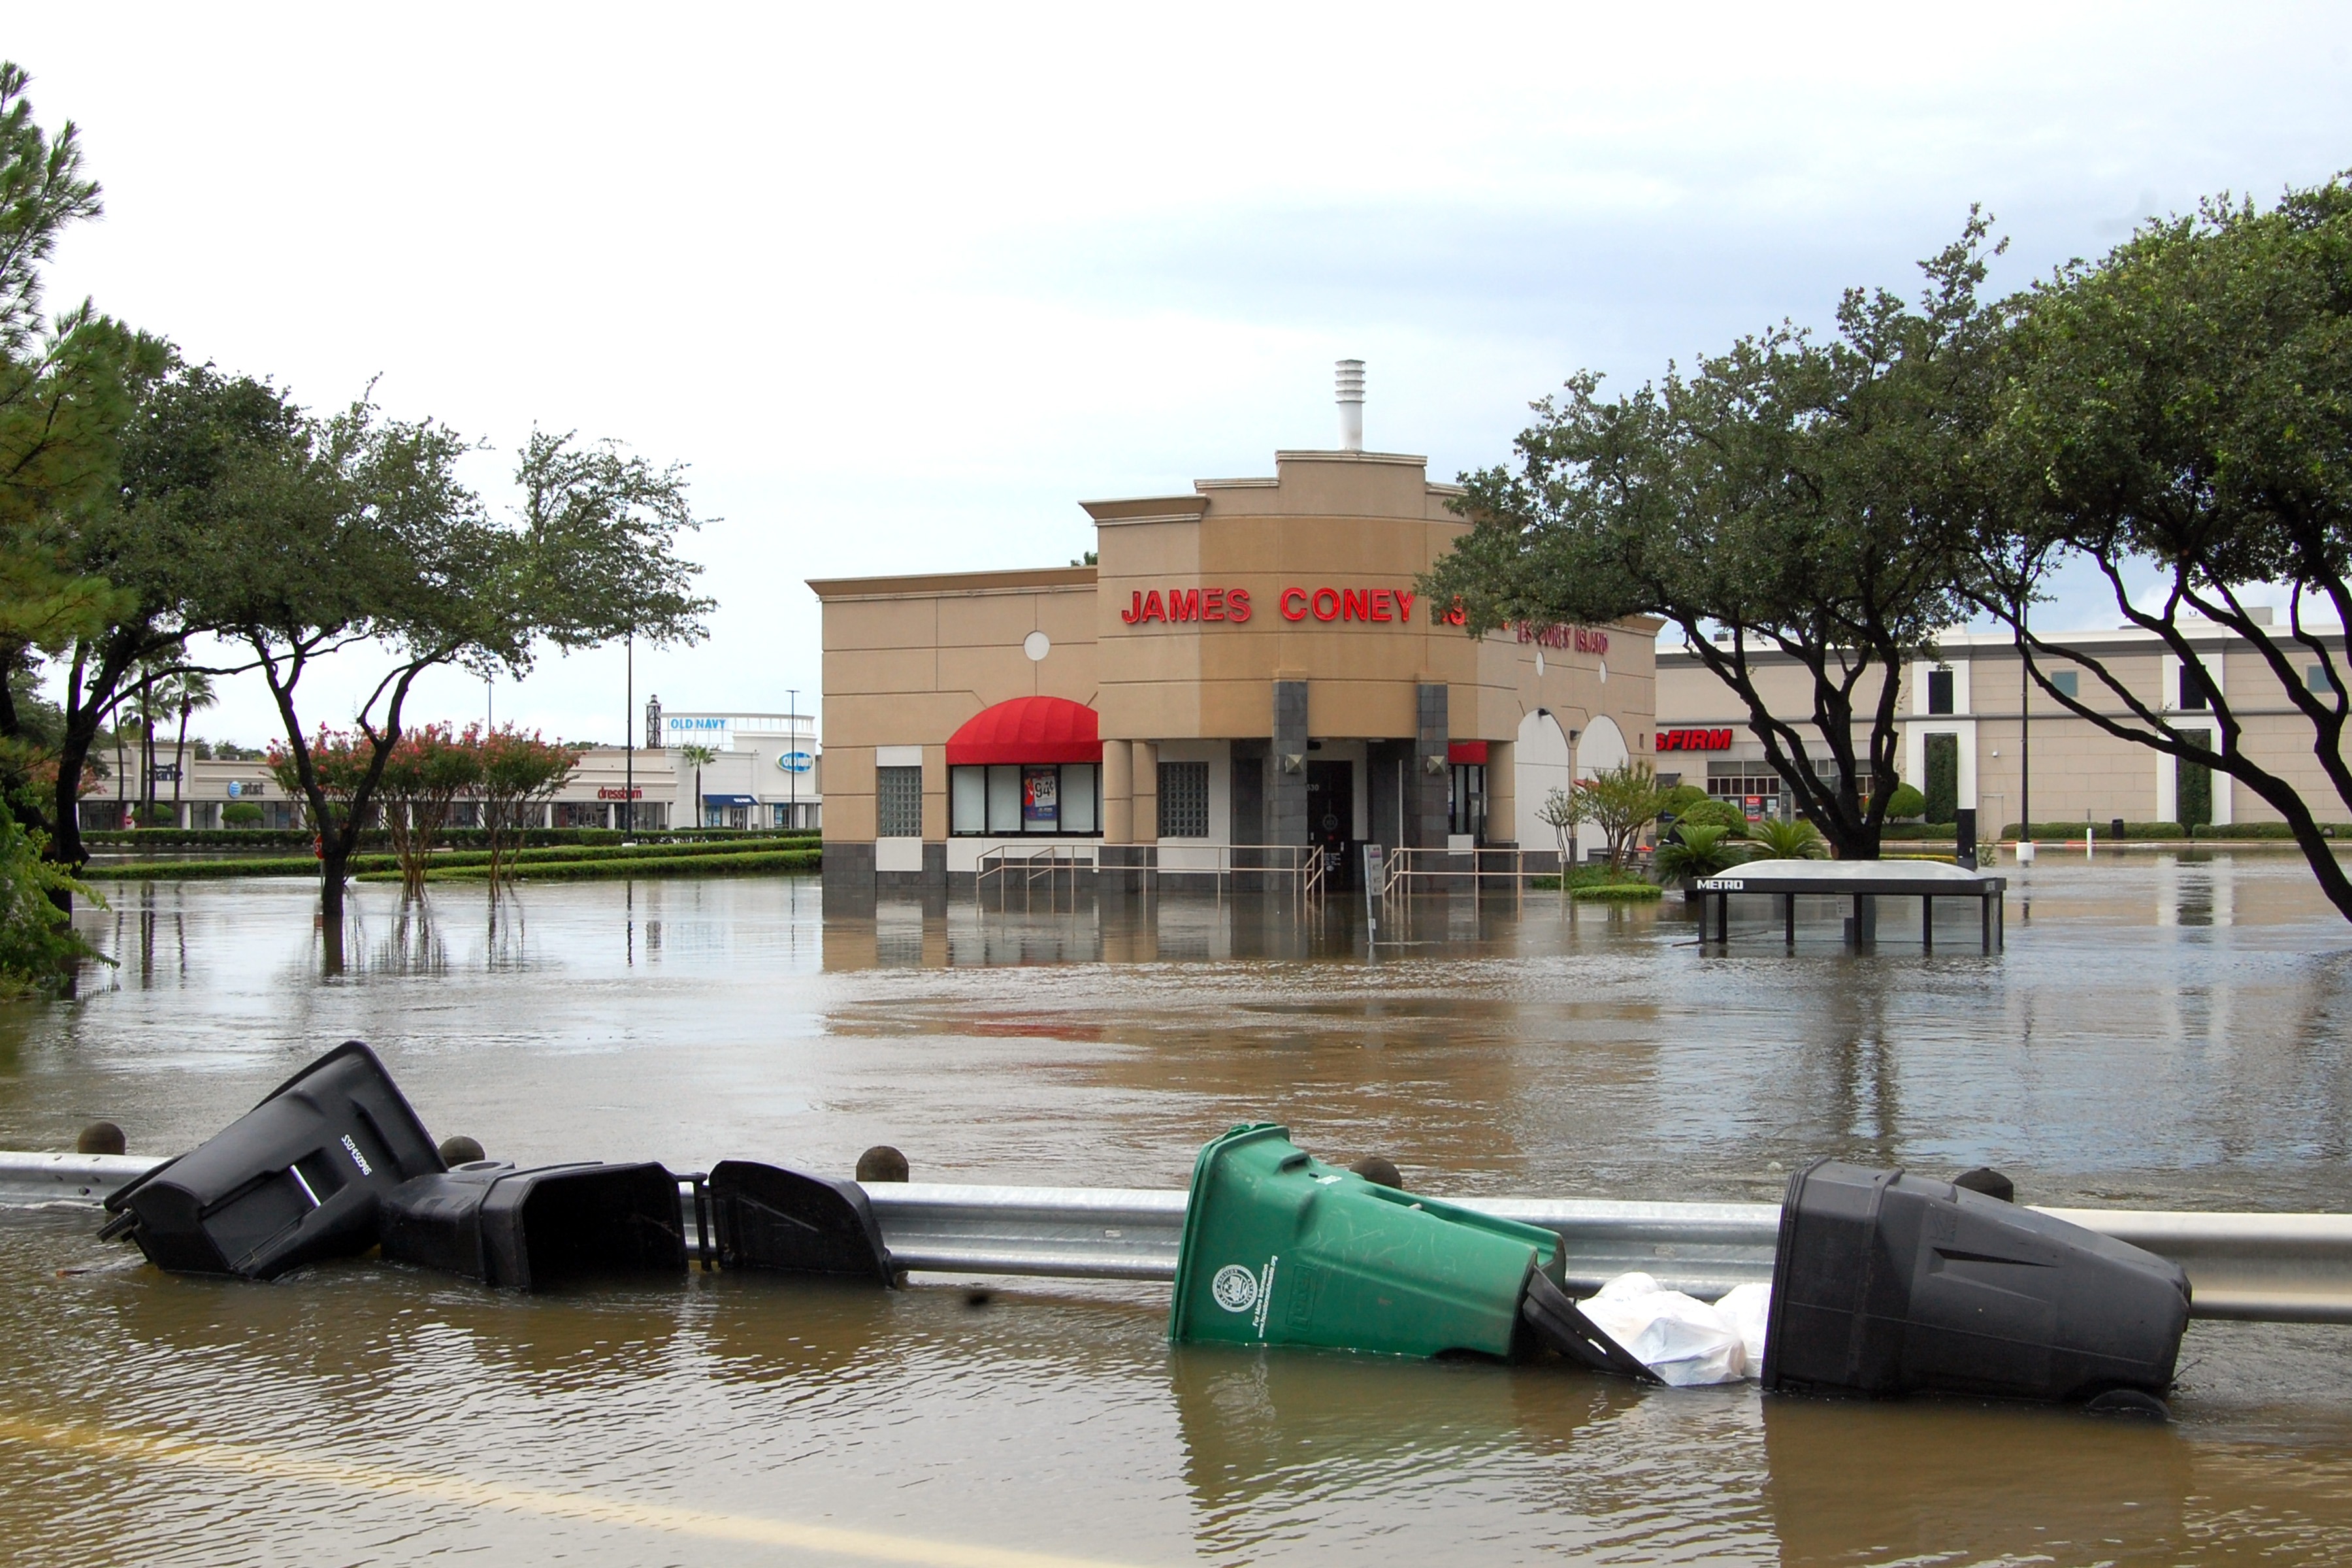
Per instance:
x=1029, y=729
x=1466, y=751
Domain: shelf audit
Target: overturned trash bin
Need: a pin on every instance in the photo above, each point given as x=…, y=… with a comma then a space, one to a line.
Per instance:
x=1886, y=1283
x=292, y=1180
x=1280, y=1248
x=531, y=1229
x=769, y=1217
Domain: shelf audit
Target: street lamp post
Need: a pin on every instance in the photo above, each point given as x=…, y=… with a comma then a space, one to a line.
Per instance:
x=791, y=757
x=629, y=738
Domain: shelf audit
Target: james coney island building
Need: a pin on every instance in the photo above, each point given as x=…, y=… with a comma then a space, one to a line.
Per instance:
x=1249, y=672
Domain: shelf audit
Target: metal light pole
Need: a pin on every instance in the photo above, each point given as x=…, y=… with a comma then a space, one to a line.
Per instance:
x=792, y=755
x=2025, y=736
x=629, y=738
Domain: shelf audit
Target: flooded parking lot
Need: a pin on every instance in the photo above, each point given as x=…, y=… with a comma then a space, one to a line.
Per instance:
x=2162, y=1031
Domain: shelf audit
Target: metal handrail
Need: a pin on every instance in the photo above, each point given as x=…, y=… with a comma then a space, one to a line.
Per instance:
x=2269, y=1267
x=1397, y=865
x=1046, y=860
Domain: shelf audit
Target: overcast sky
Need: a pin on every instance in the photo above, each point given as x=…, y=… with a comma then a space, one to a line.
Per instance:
x=903, y=287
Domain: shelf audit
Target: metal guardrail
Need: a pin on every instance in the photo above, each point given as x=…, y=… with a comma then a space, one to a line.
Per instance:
x=2271, y=1267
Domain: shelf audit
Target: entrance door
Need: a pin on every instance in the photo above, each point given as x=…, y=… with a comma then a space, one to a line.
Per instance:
x=1331, y=814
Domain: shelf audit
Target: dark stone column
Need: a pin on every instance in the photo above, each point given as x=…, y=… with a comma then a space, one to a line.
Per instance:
x=1247, y=778
x=1388, y=765
x=1286, y=816
x=1429, y=788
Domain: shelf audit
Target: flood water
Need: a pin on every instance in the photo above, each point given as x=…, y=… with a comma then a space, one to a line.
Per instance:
x=2161, y=1032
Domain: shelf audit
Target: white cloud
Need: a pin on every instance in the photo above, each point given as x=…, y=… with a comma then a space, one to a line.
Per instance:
x=903, y=285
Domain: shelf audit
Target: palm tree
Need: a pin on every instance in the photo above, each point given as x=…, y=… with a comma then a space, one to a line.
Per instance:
x=697, y=755
x=188, y=690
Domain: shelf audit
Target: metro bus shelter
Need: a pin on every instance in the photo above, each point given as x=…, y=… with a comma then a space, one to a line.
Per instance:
x=1862, y=881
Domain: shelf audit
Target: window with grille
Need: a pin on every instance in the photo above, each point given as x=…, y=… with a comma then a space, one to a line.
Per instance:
x=1183, y=800
x=899, y=803
x=1939, y=691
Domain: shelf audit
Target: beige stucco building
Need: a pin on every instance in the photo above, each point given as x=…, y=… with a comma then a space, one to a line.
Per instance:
x=1249, y=671
x=1966, y=716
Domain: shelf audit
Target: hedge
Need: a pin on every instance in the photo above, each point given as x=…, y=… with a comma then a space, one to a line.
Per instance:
x=1621, y=892
x=745, y=863
x=386, y=868
x=190, y=870
x=2274, y=831
x=454, y=838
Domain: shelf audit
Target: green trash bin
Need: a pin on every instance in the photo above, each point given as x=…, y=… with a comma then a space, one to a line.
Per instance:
x=1282, y=1249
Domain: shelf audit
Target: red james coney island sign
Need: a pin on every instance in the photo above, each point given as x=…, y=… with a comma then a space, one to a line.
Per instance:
x=1391, y=606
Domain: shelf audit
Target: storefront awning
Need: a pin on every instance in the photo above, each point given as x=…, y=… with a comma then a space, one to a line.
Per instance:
x=729, y=800
x=1029, y=729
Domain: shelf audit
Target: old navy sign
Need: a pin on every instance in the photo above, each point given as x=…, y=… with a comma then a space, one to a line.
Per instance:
x=1693, y=740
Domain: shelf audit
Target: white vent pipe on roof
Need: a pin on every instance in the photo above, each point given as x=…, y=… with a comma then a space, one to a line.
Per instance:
x=1351, y=405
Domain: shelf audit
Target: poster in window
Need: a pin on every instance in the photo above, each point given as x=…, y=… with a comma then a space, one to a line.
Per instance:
x=1041, y=800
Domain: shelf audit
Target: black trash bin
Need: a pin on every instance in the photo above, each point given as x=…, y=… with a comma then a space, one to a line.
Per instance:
x=769, y=1217
x=1886, y=1283
x=531, y=1229
x=294, y=1180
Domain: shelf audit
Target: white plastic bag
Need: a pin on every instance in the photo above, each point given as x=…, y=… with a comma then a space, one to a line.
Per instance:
x=1745, y=1309
x=1681, y=1338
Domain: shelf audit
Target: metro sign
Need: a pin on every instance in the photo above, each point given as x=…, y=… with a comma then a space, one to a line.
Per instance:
x=1693, y=740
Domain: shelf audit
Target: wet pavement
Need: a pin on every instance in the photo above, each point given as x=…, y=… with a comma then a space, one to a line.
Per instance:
x=2162, y=1031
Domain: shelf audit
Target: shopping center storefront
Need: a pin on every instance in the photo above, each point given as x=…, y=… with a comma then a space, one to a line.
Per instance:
x=1249, y=670
x=1978, y=735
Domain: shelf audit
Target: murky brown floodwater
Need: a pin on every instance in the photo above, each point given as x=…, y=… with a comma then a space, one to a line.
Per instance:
x=2161, y=1032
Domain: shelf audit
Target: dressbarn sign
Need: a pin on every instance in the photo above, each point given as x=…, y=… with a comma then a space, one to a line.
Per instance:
x=1377, y=607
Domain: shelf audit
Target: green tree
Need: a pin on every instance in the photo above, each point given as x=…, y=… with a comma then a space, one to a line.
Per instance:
x=1786, y=498
x=1714, y=812
x=1702, y=850
x=519, y=772
x=1621, y=800
x=39, y=949
x=355, y=530
x=602, y=529
x=1798, y=840
x=2185, y=403
x=190, y=457
x=66, y=388
x=1563, y=811
x=429, y=768
x=361, y=533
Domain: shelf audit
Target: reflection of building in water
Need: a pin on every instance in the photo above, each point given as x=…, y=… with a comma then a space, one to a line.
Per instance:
x=1249, y=671
x=1961, y=717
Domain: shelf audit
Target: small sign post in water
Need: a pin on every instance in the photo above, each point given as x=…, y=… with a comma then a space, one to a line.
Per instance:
x=1372, y=897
